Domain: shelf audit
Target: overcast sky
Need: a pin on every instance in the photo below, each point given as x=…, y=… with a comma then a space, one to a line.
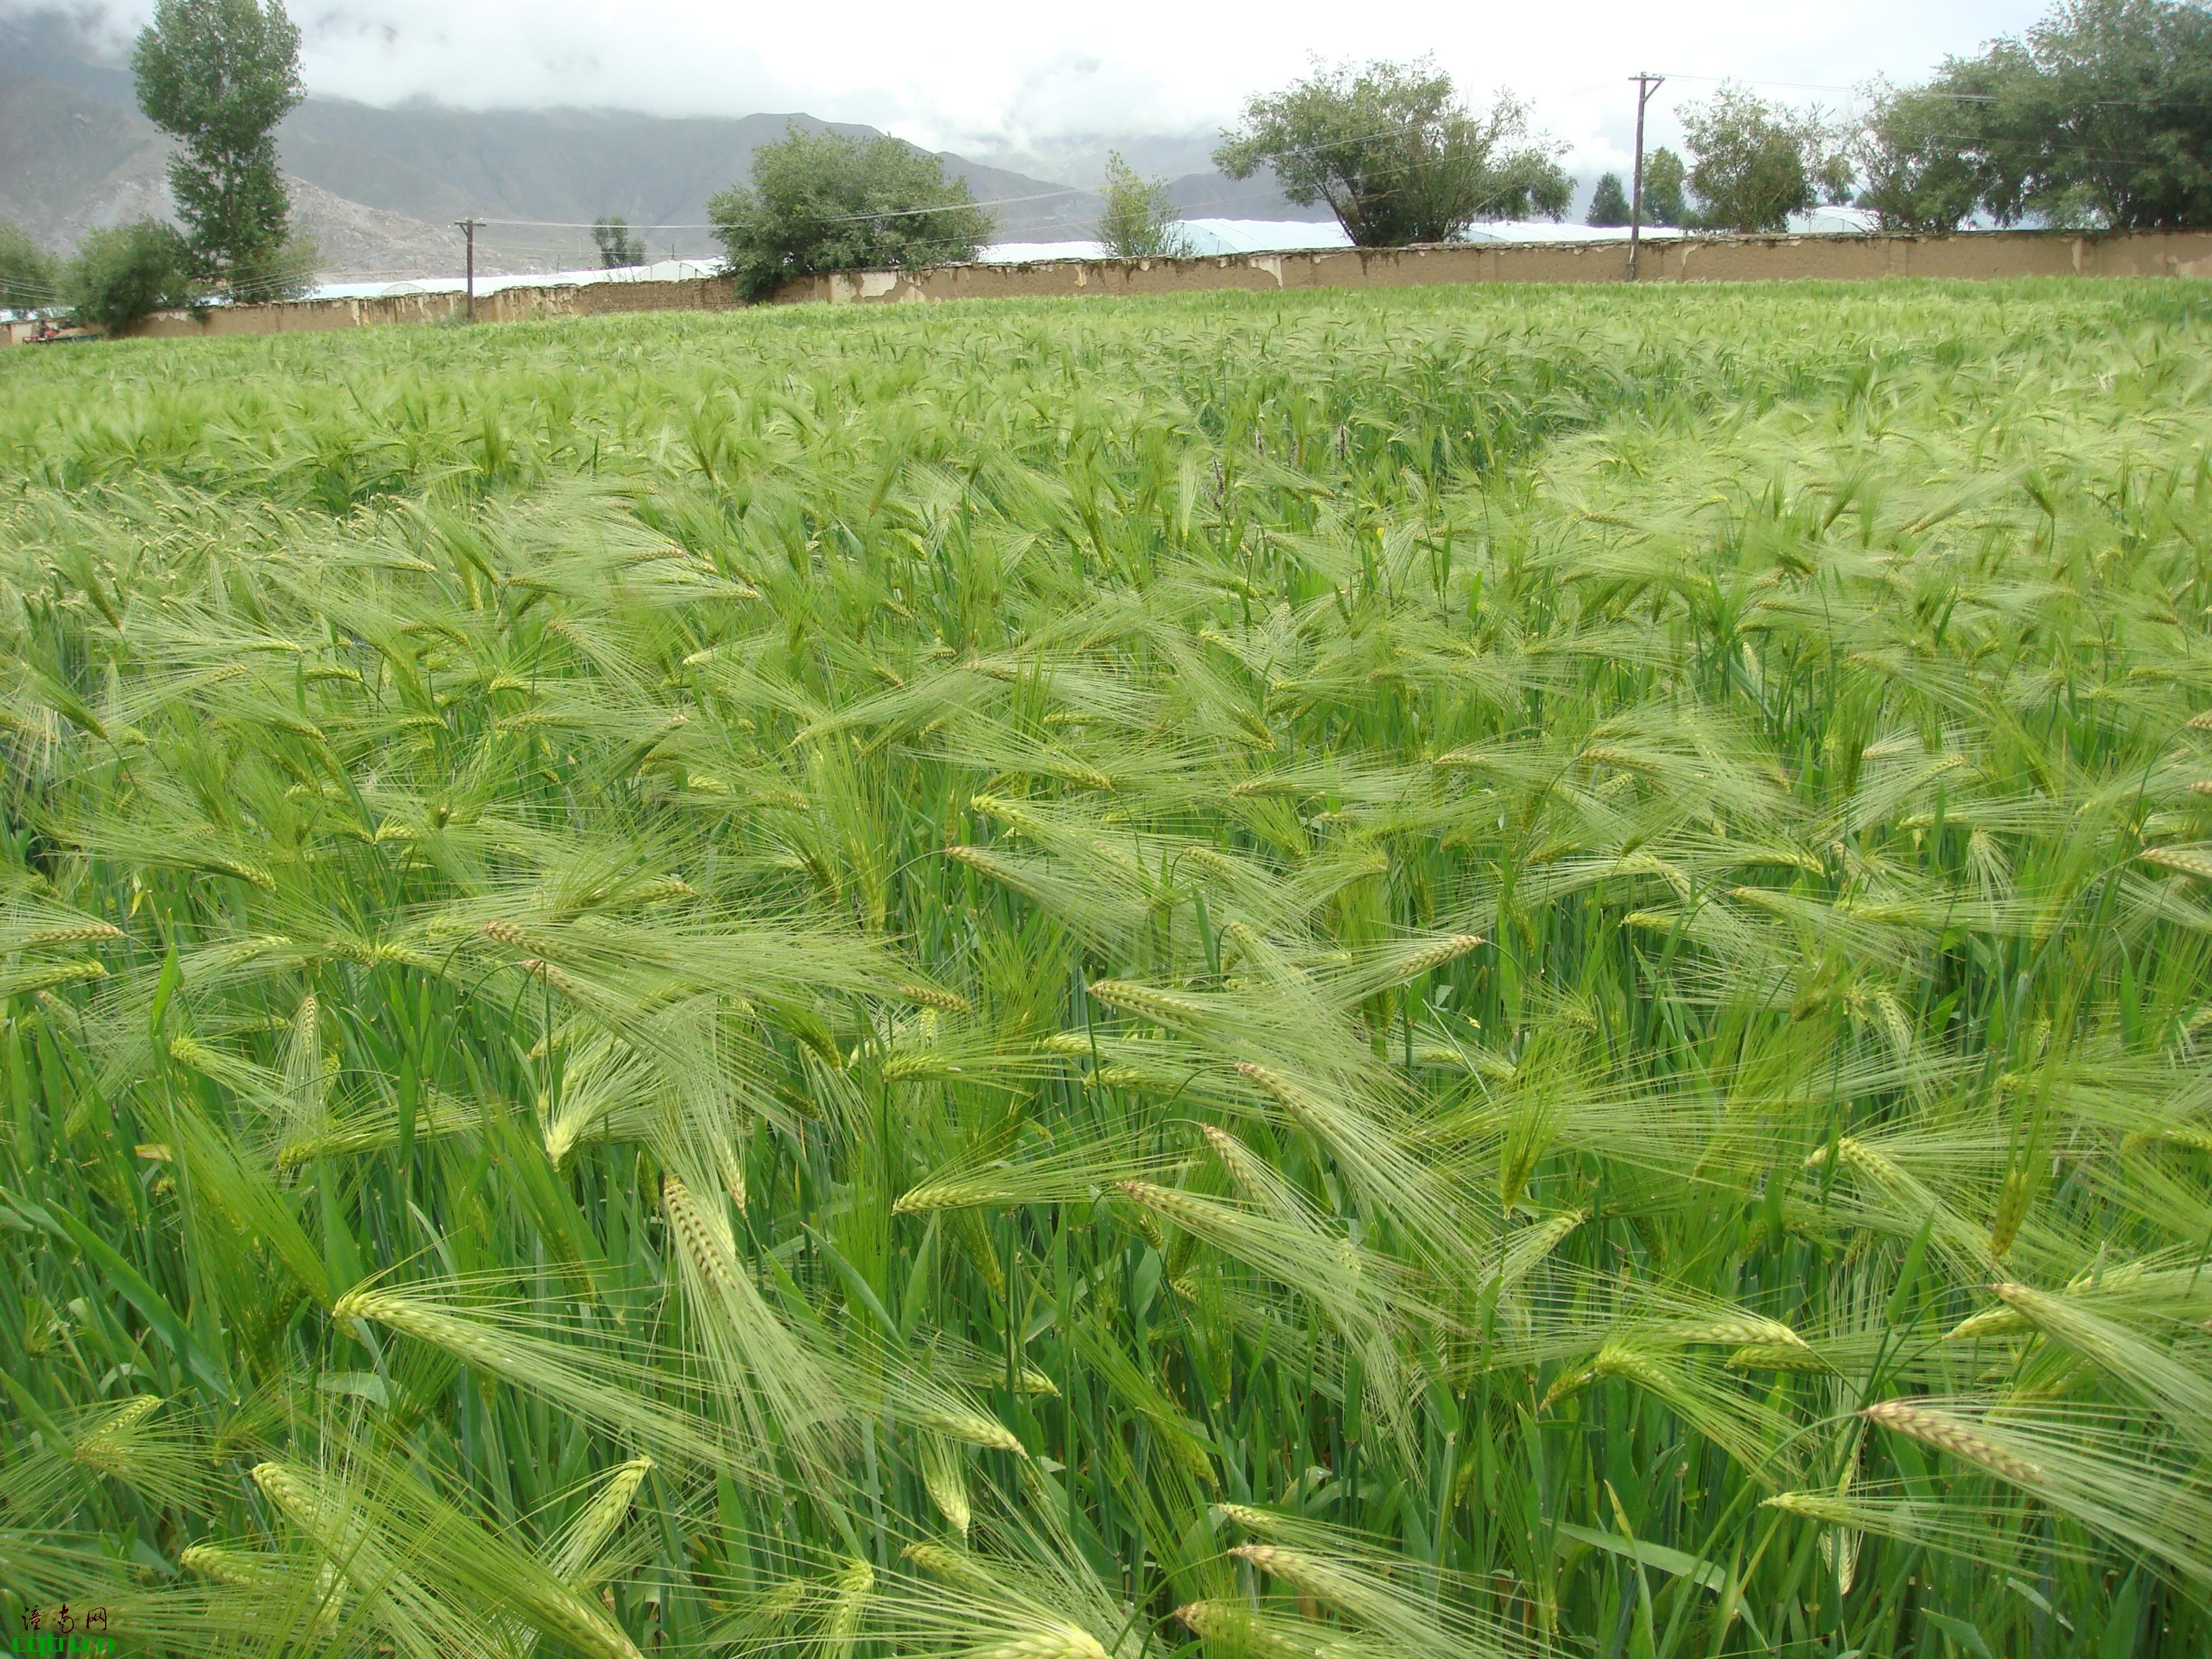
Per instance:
x=983, y=75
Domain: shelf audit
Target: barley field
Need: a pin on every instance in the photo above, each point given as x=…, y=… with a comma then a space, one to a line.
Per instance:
x=1463, y=973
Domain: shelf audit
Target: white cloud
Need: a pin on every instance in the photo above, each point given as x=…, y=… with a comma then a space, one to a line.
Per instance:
x=985, y=75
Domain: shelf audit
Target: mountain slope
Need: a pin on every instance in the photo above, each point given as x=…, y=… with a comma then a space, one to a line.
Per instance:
x=1184, y=159
x=379, y=188
x=572, y=165
x=73, y=164
x=59, y=148
x=1216, y=196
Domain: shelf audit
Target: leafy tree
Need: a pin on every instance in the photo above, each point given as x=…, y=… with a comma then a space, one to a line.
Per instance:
x=1911, y=152
x=1138, y=220
x=2101, y=116
x=28, y=280
x=121, y=275
x=1609, y=202
x=218, y=75
x=1396, y=154
x=1755, y=163
x=618, y=247
x=824, y=202
x=1837, y=175
x=1666, y=182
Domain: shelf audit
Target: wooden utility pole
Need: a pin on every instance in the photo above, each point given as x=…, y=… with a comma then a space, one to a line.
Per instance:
x=469, y=227
x=1645, y=86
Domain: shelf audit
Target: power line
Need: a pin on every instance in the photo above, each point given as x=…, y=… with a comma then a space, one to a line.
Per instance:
x=252, y=291
x=1799, y=86
x=1864, y=90
x=1308, y=150
x=1368, y=177
x=1394, y=170
x=878, y=215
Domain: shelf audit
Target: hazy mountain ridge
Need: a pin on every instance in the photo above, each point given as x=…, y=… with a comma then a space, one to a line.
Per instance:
x=377, y=188
x=1185, y=160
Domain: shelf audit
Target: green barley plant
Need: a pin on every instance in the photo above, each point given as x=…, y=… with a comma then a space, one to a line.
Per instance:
x=1455, y=973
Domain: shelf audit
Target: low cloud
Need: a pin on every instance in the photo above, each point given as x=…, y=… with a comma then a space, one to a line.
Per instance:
x=1010, y=79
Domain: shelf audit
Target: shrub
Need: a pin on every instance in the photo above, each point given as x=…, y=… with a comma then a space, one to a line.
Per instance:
x=1757, y=163
x=28, y=280
x=123, y=274
x=1918, y=176
x=1139, y=221
x=618, y=247
x=824, y=202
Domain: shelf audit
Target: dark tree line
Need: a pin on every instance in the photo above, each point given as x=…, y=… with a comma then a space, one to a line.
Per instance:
x=2099, y=116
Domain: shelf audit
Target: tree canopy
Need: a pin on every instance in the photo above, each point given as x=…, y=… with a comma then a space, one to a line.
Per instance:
x=218, y=75
x=2098, y=118
x=1396, y=154
x=2101, y=116
x=1609, y=202
x=28, y=279
x=1755, y=163
x=827, y=202
x=1915, y=174
x=1666, y=188
x=618, y=247
x=122, y=274
x=1138, y=221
